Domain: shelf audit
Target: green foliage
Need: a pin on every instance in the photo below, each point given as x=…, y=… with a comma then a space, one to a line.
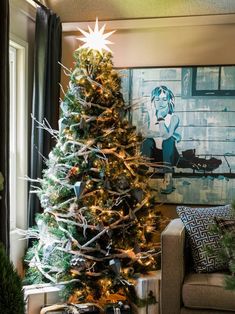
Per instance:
x=99, y=213
x=11, y=293
x=230, y=282
x=226, y=251
x=228, y=255
x=33, y=276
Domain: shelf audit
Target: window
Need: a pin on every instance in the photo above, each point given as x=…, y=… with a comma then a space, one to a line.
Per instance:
x=18, y=145
x=213, y=81
x=13, y=91
x=18, y=133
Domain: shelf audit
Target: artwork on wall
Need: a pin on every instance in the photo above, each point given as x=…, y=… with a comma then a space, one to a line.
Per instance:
x=187, y=117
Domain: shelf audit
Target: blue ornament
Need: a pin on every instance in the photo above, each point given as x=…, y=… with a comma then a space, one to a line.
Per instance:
x=78, y=188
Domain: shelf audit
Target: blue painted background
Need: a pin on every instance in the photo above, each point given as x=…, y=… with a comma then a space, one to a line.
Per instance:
x=207, y=124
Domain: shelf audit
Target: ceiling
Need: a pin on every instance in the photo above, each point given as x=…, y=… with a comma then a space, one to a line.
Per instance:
x=106, y=10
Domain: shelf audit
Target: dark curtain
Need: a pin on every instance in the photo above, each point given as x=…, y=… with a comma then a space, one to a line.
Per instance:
x=45, y=103
x=4, y=116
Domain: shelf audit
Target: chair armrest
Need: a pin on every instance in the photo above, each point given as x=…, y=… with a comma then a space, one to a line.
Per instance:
x=173, y=266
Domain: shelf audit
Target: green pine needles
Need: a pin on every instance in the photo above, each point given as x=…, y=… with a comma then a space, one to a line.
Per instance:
x=225, y=229
x=100, y=227
x=227, y=253
x=11, y=293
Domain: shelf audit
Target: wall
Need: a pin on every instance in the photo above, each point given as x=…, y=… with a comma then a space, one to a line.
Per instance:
x=22, y=25
x=204, y=40
x=162, y=42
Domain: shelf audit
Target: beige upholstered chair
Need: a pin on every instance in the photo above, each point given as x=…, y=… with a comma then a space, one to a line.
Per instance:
x=185, y=292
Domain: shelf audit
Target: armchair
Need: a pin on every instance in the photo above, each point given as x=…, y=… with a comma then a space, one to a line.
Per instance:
x=184, y=291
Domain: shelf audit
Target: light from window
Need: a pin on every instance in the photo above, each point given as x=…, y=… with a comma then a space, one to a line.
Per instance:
x=18, y=137
x=18, y=55
x=13, y=92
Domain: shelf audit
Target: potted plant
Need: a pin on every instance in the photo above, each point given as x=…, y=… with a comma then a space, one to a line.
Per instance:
x=11, y=296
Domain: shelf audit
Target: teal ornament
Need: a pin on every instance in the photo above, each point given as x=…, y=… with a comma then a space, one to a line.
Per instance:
x=132, y=214
x=138, y=194
x=47, y=251
x=107, y=184
x=78, y=188
x=64, y=107
x=82, y=124
x=62, y=124
x=115, y=265
x=100, y=226
x=109, y=232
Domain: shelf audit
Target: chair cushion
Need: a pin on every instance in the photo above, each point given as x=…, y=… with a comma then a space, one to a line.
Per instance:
x=206, y=291
x=198, y=222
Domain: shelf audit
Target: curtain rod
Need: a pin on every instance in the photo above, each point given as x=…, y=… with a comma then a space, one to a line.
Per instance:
x=40, y=4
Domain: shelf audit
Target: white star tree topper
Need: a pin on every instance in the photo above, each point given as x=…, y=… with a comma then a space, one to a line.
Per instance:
x=96, y=39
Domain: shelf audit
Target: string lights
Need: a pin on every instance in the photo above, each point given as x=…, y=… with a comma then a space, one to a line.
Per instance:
x=100, y=221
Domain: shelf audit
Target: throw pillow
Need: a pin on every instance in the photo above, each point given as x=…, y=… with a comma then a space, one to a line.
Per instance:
x=198, y=222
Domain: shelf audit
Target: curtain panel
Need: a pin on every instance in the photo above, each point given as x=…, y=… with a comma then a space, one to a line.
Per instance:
x=45, y=104
x=4, y=116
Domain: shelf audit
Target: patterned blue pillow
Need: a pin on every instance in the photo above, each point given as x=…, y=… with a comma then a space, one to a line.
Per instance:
x=198, y=222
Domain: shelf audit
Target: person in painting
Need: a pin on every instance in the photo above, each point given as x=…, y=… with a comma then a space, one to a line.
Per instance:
x=162, y=148
x=167, y=123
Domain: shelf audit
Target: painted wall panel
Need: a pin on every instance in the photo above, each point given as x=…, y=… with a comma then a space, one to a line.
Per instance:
x=206, y=133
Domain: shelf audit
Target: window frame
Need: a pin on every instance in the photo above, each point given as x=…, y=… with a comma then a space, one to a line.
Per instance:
x=12, y=137
x=212, y=92
x=19, y=137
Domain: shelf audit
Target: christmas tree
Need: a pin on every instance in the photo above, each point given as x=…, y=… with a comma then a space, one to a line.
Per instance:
x=100, y=227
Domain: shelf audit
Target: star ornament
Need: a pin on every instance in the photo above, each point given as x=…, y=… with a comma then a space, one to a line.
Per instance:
x=96, y=39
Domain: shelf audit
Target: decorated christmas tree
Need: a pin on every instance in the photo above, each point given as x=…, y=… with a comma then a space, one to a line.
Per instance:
x=100, y=227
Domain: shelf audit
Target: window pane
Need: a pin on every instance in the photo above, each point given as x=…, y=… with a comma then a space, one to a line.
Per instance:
x=228, y=77
x=13, y=187
x=207, y=78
